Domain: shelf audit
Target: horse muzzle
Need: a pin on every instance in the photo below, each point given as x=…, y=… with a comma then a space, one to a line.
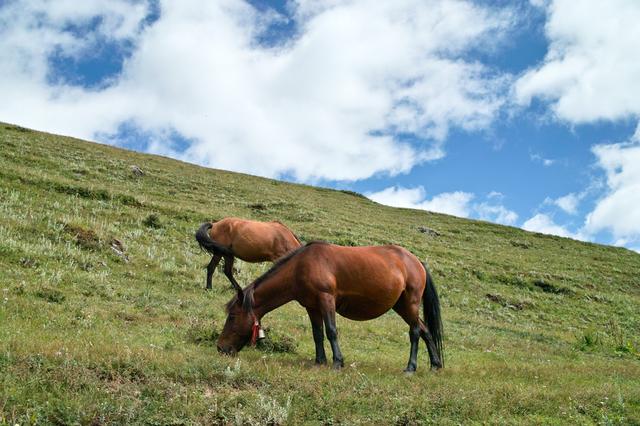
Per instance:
x=227, y=350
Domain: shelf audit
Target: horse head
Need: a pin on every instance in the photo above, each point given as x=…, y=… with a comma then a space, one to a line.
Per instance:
x=241, y=326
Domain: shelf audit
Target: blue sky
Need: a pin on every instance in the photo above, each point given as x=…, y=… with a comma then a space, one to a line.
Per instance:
x=523, y=113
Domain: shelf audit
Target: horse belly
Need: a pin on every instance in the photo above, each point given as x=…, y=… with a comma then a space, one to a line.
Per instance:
x=251, y=250
x=367, y=289
x=361, y=308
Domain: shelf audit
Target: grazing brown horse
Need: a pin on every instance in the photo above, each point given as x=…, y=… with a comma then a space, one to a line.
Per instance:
x=247, y=240
x=360, y=283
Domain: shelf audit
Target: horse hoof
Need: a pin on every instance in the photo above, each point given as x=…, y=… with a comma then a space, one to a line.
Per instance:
x=338, y=365
x=408, y=372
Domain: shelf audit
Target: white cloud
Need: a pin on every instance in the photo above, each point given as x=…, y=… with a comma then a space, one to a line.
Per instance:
x=545, y=161
x=456, y=203
x=539, y=3
x=545, y=225
x=591, y=69
x=33, y=30
x=618, y=211
x=453, y=203
x=496, y=213
x=326, y=104
x=590, y=74
x=568, y=203
x=397, y=196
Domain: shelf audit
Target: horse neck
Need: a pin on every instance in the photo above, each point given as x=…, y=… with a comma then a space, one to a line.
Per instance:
x=273, y=292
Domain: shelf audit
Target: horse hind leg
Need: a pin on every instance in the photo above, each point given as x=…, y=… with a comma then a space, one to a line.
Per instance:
x=228, y=272
x=436, y=363
x=409, y=313
x=211, y=267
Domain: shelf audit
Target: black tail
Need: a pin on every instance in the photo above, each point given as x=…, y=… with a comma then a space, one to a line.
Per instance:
x=431, y=306
x=209, y=245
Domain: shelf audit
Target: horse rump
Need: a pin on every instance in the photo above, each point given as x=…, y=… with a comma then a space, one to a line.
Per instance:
x=207, y=244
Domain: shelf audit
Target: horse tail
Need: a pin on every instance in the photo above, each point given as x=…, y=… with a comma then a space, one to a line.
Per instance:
x=206, y=243
x=431, y=306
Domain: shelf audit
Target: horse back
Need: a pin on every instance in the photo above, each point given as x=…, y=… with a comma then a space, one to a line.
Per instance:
x=365, y=281
x=254, y=241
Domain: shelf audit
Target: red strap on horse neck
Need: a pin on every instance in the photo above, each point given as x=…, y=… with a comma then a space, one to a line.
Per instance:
x=255, y=331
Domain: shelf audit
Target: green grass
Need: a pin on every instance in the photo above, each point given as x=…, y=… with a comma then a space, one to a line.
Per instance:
x=538, y=329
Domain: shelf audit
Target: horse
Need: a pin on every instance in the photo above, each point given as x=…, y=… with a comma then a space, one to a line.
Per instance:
x=248, y=240
x=360, y=283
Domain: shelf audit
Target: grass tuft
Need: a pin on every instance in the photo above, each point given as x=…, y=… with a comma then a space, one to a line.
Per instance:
x=84, y=237
x=276, y=342
x=50, y=294
x=152, y=221
x=548, y=287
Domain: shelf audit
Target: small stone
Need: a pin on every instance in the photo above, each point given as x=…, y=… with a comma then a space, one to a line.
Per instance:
x=118, y=248
x=137, y=171
x=429, y=231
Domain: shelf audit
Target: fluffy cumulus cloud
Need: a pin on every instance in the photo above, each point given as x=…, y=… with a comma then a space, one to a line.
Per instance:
x=589, y=75
x=456, y=203
x=453, y=203
x=34, y=34
x=568, y=203
x=326, y=103
x=619, y=209
x=544, y=224
x=495, y=213
x=591, y=69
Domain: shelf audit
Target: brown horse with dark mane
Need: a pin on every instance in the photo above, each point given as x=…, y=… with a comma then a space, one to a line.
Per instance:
x=248, y=240
x=360, y=283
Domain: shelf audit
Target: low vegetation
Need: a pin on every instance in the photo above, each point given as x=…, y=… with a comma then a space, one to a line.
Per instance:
x=104, y=318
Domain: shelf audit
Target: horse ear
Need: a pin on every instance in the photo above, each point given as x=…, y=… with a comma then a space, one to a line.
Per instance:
x=238, y=290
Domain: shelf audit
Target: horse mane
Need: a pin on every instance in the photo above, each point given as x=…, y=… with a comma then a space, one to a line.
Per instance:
x=247, y=302
x=296, y=237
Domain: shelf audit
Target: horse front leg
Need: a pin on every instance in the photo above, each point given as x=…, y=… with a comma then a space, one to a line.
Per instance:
x=211, y=268
x=318, y=335
x=332, y=335
x=329, y=316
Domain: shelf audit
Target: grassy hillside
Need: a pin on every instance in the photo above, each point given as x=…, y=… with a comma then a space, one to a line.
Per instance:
x=538, y=329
